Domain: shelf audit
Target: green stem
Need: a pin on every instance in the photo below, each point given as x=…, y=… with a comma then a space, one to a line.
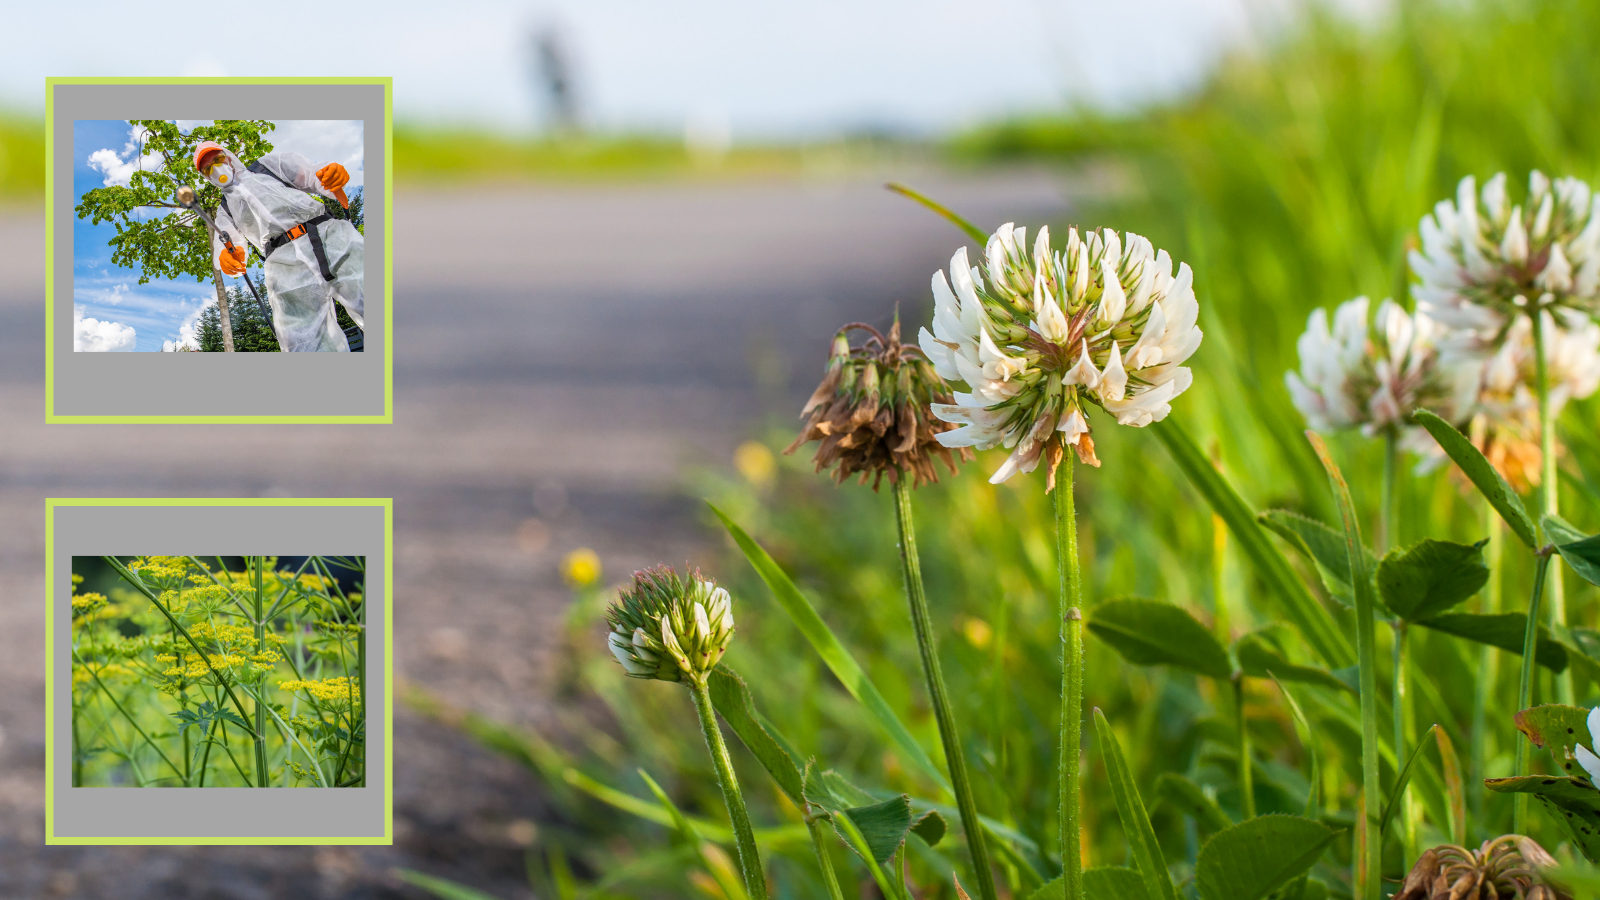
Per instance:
x=824, y=862
x=1550, y=488
x=1071, y=589
x=1488, y=658
x=1389, y=521
x=1402, y=703
x=261, y=711
x=755, y=882
x=1519, y=809
x=77, y=751
x=927, y=645
x=1247, y=790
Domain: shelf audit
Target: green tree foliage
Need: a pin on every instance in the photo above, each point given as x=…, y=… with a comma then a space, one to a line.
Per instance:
x=252, y=333
x=169, y=246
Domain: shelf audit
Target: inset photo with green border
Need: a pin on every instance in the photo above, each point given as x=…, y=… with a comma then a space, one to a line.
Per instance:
x=254, y=689
x=193, y=260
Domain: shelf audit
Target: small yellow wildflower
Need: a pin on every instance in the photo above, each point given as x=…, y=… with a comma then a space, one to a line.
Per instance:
x=755, y=462
x=87, y=604
x=581, y=568
x=329, y=690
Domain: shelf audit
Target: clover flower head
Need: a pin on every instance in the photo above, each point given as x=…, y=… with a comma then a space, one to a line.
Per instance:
x=1372, y=375
x=1503, y=417
x=1039, y=335
x=1484, y=259
x=1507, y=866
x=670, y=628
x=871, y=414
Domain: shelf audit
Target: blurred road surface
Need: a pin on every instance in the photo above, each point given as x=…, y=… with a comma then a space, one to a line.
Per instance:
x=563, y=357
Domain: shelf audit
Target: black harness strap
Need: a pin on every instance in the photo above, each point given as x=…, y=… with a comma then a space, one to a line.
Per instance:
x=316, y=247
x=260, y=169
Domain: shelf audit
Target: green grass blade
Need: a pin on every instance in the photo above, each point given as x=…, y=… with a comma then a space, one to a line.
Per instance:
x=1455, y=788
x=1483, y=475
x=439, y=887
x=1135, y=821
x=1391, y=805
x=971, y=230
x=1312, y=619
x=1366, y=644
x=832, y=651
x=1303, y=731
x=725, y=879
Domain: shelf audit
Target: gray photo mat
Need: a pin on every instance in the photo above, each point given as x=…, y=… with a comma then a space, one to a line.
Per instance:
x=220, y=813
x=254, y=384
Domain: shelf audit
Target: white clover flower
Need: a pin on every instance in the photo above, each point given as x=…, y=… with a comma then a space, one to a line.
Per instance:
x=1584, y=755
x=1103, y=322
x=1484, y=261
x=1373, y=375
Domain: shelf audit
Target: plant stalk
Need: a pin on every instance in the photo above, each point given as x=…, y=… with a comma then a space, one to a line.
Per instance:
x=1550, y=488
x=1389, y=516
x=755, y=882
x=1530, y=644
x=1247, y=789
x=1071, y=590
x=1488, y=657
x=819, y=843
x=261, y=712
x=927, y=645
x=1403, y=738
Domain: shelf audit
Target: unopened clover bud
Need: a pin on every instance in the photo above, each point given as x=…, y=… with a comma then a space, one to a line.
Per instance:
x=670, y=628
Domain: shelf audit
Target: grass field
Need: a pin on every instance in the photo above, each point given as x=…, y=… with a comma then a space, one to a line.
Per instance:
x=1294, y=179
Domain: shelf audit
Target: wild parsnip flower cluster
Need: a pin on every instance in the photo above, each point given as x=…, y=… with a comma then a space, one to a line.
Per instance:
x=192, y=667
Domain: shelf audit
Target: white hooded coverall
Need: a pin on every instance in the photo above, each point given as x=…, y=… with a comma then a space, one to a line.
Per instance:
x=258, y=208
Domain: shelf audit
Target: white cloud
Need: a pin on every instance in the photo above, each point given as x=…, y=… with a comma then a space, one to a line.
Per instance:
x=119, y=167
x=324, y=141
x=95, y=336
x=188, y=331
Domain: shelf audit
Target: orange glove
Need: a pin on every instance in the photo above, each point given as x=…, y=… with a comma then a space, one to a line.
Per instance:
x=334, y=177
x=232, y=260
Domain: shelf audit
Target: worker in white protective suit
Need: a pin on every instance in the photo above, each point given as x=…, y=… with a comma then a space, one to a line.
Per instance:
x=312, y=259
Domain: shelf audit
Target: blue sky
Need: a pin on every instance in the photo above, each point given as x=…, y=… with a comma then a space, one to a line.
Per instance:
x=111, y=310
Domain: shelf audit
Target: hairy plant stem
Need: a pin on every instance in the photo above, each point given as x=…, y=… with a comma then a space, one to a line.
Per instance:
x=1550, y=489
x=1530, y=644
x=927, y=646
x=1488, y=657
x=1071, y=590
x=744, y=838
x=1247, y=789
x=824, y=862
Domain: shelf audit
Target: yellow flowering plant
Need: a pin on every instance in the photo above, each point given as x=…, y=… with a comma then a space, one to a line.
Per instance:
x=218, y=672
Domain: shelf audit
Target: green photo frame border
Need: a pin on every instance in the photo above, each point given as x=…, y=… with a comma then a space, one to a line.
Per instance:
x=387, y=838
x=386, y=418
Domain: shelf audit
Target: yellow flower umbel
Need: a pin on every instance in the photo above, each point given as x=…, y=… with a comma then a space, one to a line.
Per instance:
x=670, y=628
x=872, y=412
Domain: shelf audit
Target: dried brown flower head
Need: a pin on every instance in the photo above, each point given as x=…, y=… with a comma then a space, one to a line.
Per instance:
x=871, y=411
x=1509, y=866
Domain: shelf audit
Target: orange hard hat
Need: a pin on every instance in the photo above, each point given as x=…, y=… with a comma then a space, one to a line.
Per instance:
x=204, y=151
